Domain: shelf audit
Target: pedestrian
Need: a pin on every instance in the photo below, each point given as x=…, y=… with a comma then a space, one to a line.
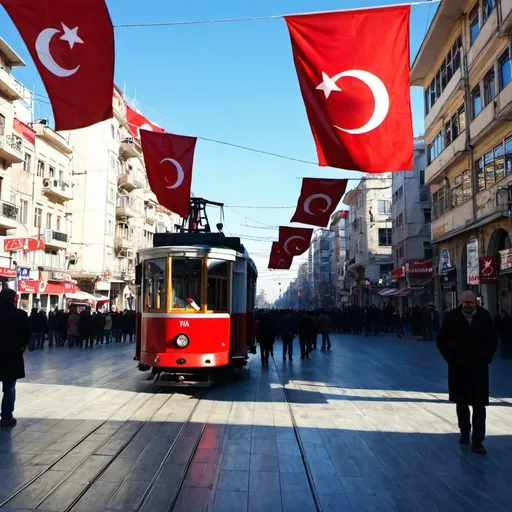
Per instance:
x=266, y=335
x=467, y=342
x=53, y=327
x=503, y=324
x=14, y=338
x=73, y=329
x=307, y=328
x=108, y=328
x=324, y=326
x=288, y=330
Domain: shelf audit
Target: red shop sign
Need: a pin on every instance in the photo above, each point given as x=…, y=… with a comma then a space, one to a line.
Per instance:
x=27, y=286
x=70, y=287
x=487, y=265
x=23, y=244
x=420, y=268
x=30, y=286
x=398, y=273
x=25, y=131
x=7, y=272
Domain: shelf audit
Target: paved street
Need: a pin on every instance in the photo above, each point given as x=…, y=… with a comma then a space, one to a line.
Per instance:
x=375, y=430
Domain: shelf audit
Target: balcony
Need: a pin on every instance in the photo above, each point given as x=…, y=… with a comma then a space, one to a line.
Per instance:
x=448, y=98
x=128, y=274
x=121, y=241
x=481, y=50
x=11, y=149
x=128, y=182
x=130, y=148
x=55, y=239
x=506, y=17
x=149, y=217
x=125, y=207
x=60, y=190
x=434, y=172
x=8, y=215
x=456, y=218
x=8, y=86
x=54, y=139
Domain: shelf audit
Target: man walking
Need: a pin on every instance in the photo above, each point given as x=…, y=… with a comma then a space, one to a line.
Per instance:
x=288, y=330
x=324, y=326
x=467, y=342
x=266, y=335
x=14, y=338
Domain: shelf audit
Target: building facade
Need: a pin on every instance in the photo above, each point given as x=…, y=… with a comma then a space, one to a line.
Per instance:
x=464, y=67
x=412, y=251
x=338, y=227
x=370, y=240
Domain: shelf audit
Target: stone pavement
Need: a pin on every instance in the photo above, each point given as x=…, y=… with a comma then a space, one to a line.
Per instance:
x=374, y=424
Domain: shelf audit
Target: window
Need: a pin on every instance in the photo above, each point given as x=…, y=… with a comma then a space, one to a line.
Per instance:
x=154, y=284
x=428, y=252
x=449, y=66
x=489, y=86
x=461, y=114
x=23, y=211
x=427, y=215
x=480, y=176
x=384, y=237
x=38, y=217
x=476, y=101
x=494, y=165
x=40, y=169
x=27, y=161
x=487, y=8
x=384, y=207
x=456, y=191
x=499, y=163
x=48, y=221
x=385, y=268
x=422, y=178
x=217, y=292
x=508, y=156
x=51, y=171
x=58, y=224
x=474, y=22
x=186, y=282
x=111, y=194
x=489, y=169
x=435, y=148
x=505, y=71
x=466, y=186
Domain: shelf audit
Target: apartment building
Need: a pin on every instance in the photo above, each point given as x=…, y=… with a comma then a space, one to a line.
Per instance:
x=464, y=67
x=338, y=227
x=412, y=251
x=369, y=257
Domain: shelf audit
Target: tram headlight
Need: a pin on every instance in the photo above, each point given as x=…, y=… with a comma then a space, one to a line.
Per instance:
x=182, y=340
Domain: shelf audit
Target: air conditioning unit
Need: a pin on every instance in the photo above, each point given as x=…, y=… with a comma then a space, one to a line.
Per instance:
x=47, y=183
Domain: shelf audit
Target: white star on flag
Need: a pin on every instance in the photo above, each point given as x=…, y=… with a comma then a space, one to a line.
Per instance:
x=71, y=36
x=328, y=85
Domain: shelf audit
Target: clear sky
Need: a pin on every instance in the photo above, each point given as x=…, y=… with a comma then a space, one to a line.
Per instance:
x=233, y=82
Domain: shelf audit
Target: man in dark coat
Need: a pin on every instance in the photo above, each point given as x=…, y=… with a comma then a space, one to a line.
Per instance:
x=467, y=341
x=14, y=338
x=266, y=336
x=288, y=329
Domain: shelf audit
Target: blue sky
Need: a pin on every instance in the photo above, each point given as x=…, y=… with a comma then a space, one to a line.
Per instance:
x=233, y=82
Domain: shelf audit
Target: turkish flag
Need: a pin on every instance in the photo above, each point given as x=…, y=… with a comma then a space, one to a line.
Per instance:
x=137, y=122
x=169, y=160
x=295, y=241
x=318, y=200
x=72, y=44
x=279, y=260
x=353, y=71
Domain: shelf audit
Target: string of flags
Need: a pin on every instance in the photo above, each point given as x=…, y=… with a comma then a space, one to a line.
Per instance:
x=353, y=71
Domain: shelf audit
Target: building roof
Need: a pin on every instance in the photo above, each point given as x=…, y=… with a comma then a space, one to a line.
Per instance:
x=13, y=58
x=448, y=12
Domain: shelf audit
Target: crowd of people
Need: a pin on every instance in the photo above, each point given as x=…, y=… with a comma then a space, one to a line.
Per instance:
x=79, y=329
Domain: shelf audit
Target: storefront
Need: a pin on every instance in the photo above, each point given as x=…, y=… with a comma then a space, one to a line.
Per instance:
x=420, y=282
x=504, y=280
x=7, y=277
x=44, y=294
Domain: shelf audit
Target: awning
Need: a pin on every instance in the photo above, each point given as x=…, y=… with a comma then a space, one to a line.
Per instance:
x=421, y=284
x=81, y=296
x=403, y=293
x=388, y=291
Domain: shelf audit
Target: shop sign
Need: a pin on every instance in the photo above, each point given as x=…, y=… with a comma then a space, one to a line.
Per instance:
x=445, y=262
x=506, y=259
x=398, y=273
x=61, y=276
x=23, y=273
x=437, y=232
x=473, y=269
x=70, y=287
x=7, y=272
x=43, y=287
x=28, y=286
x=488, y=269
x=23, y=244
x=420, y=268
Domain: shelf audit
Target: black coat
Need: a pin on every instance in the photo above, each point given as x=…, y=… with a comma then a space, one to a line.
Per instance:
x=14, y=337
x=266, y=332
x=469, y=351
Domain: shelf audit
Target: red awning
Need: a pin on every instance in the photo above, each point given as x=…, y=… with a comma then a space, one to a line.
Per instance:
x=421, y=284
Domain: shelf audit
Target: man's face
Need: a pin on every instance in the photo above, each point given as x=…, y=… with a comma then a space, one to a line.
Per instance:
x=468, y=304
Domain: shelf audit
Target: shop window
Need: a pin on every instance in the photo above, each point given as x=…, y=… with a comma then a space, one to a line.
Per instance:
x=435, y=147
x=186, y=283
x=217, y=292
x=155, y=284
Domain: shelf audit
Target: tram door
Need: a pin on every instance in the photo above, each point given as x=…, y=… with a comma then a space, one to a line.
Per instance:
x=238, y=308
x=138, y=310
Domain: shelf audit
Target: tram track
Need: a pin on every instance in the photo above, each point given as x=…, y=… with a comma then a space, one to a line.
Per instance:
x=300, y=444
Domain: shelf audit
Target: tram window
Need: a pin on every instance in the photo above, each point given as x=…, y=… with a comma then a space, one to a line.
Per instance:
x=154, y=284
x=217, y=285
x=186, y=283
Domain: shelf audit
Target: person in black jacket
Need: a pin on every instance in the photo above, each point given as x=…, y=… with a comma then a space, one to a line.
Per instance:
x=467, y=342
x=14, y=338
x=266, y=336
x=288, y=329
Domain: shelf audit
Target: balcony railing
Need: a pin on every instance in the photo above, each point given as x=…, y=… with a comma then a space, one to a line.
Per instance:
x=59, y=237
x=52, y=137
x=9, y=86
x=9, y=210
x=11, y=148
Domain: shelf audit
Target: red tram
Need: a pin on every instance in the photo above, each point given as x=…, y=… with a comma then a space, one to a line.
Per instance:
x=195, y=308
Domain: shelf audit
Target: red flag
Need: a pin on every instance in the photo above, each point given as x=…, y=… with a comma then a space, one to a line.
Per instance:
x=295, y=241
x=279, y=260
x=353, y=71
x=169, y=160
x=318, y=200
x=137, y=121
x=72, y=44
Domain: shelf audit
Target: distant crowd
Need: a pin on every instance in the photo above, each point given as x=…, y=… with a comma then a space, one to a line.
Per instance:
x=79, y=329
